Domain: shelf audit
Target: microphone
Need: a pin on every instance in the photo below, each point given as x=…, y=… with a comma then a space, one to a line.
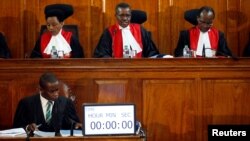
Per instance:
x=57, y=120
x=72, y=126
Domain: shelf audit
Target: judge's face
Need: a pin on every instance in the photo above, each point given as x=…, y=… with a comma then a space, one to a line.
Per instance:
x=50, y=91
x=53, y=25
x=123, y=16
x=205, y=21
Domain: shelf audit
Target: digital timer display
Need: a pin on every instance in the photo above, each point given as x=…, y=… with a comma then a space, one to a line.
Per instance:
x=108, y=119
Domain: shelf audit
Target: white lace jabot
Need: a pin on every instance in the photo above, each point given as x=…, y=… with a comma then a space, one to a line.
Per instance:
x=59, y=42
x=129, y=40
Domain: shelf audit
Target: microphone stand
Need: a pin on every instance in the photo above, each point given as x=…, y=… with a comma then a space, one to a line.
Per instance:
x=203, y=51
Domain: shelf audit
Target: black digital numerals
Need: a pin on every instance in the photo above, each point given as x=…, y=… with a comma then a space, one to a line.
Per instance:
x=109, y=125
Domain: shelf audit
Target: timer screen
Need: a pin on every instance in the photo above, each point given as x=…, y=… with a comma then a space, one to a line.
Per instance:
x=108, y=119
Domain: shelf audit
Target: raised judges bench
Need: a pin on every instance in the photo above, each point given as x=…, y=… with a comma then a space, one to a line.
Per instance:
x=175, y=98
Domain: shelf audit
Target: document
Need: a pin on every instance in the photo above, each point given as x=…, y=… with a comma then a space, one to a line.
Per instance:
x=64, y=133
x=13, y=132
x=43, y=134
x=76, y=133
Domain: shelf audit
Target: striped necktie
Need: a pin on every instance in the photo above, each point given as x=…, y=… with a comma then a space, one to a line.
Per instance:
x=48, y=111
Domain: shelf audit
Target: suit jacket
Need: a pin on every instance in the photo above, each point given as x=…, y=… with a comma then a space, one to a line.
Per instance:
x=29, y=111
x=184, y=39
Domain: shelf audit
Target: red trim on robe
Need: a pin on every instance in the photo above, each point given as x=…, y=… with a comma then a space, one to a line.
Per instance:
x=117, y=44
x=45, y=39
x=194, y=34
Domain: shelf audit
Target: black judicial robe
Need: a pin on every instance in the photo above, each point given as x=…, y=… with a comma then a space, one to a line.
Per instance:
x=77, y=50
x=104, y=46
x=29, y=110
x=4, y=49
x=184, y=39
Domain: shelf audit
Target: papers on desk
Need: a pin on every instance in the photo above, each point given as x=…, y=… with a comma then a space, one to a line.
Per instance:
x=64, y=133
x=15, y=132
x=20, y=132
x=43, y=134
x=162, y=56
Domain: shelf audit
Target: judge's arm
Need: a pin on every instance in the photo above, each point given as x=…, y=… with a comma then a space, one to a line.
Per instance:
x=182, y=41
x=36, y=52
x=77, y=50
x=149, y=47
x=104, y=46
x=223, y=49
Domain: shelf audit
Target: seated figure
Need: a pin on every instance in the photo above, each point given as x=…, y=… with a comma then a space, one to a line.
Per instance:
x=203, y=39
x=57, y=42
x=4, y=49
x=118, y=40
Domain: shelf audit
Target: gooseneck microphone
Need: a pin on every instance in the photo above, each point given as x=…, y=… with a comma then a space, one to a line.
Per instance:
x=57, y=120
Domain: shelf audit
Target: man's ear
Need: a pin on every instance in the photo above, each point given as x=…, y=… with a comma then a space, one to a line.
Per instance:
x=40, y=90
x=62, y=23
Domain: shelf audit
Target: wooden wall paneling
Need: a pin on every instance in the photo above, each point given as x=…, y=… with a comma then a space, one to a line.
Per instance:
x=223, y=102
x=5, y=108
x=243, y=25
x=96, y=24
x=232, y=20
x=164, y=27
x=177, y=21
x=110, y=91
x=169, y=109
x=11, y=23
x=31, y=26
x=84, y=92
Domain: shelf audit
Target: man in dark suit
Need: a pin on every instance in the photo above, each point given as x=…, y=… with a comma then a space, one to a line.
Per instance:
x=46, y=110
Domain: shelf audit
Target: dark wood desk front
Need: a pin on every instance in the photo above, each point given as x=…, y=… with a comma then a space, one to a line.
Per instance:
x=101, y=138
x=175, y=98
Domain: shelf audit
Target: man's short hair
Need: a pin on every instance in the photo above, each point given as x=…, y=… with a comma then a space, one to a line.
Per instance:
x=206, y=9
x=47, y=77
x=121, y=5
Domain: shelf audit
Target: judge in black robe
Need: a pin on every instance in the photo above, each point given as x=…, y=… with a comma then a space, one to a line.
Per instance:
x=184, y=39
x=77, y=50
x=110, y=43
x=62, y=40
x=203, y=20
x=104, y=46
x=4, y=49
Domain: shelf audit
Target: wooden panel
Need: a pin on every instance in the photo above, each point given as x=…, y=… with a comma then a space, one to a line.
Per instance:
x=11, y=24
x=169, y=109
x=224, y=102
x=110, y=91
x=165, y=20
x=175, y=98
x=6, y=97
x=243, y=27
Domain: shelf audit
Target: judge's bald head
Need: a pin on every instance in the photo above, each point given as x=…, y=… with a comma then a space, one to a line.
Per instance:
x=206, y=10
x=205, y=18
